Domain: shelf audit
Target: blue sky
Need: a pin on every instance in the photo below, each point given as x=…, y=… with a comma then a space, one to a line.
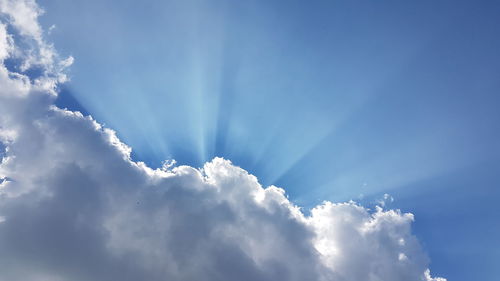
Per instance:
x=331, y=100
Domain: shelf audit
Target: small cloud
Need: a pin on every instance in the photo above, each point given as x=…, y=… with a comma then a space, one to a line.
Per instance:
x=51, y=28
x=386, y=199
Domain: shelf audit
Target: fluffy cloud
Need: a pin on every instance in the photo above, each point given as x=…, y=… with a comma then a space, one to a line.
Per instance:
x=74, y=206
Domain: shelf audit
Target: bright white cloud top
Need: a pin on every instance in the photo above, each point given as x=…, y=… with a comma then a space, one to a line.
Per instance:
x=74, y=206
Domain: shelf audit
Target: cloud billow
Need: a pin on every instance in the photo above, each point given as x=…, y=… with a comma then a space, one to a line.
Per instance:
x=74, y=206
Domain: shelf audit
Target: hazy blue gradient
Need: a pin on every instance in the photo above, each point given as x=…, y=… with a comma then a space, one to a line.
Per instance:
x=331, y=100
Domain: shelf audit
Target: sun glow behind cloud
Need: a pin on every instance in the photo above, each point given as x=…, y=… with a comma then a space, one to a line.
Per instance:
x=221, y=84
x=322, y=91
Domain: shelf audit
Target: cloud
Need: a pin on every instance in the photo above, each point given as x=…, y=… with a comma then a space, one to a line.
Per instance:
x=74, y=206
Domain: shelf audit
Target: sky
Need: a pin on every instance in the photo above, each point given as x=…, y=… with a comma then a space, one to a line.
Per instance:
x=328, y=100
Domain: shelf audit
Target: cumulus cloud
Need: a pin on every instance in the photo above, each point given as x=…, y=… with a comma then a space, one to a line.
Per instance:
x=74, y=206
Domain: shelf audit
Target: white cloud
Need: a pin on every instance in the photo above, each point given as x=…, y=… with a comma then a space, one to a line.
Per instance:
x=23, y=16
x=74, y=206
